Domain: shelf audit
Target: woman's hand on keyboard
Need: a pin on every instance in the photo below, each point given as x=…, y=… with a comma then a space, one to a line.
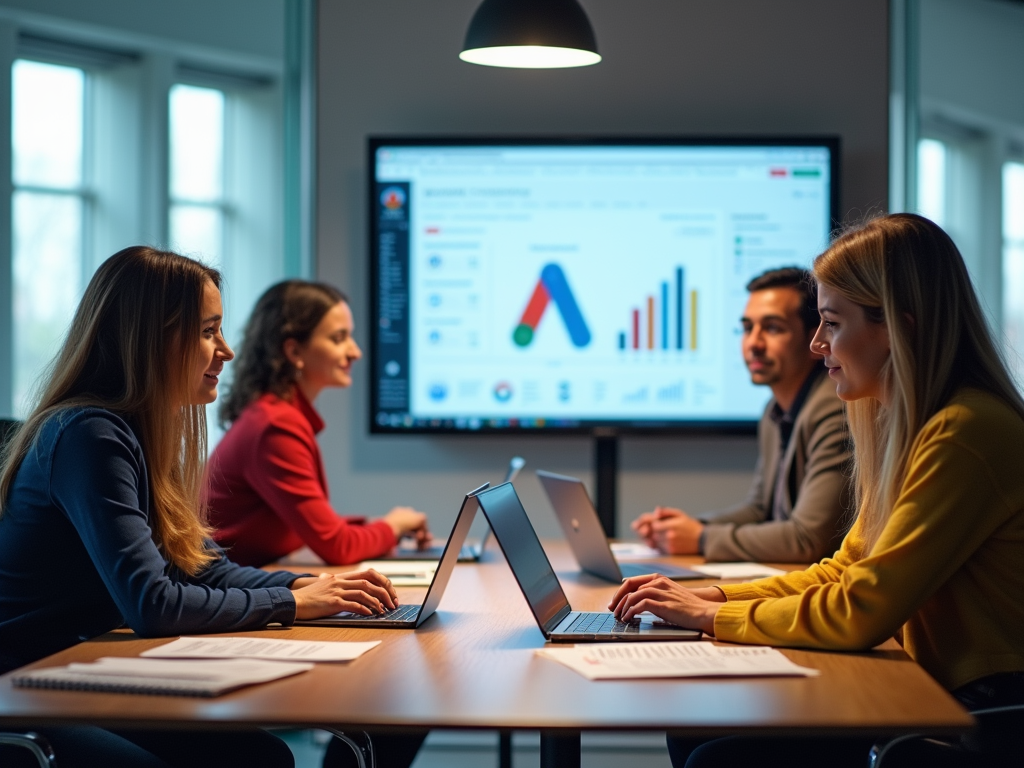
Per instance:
x=665, y=599
x=363, y=592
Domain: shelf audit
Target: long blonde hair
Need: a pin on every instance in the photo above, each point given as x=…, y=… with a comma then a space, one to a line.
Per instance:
x=131, y=348
x=906, y=272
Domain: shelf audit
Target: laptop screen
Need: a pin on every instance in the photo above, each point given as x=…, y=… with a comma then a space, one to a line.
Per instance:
x=525, y=555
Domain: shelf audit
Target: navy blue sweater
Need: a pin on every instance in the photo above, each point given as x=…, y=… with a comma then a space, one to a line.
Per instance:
x=77, y=556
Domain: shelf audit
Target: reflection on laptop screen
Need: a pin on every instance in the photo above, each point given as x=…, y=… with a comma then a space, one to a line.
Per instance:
x=523, y=551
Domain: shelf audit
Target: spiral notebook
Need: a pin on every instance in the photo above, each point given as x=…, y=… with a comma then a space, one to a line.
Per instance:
x=178, y=677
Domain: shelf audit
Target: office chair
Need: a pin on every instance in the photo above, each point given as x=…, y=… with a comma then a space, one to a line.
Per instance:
x=997, y=739
x=38, y=746
x=361, y=745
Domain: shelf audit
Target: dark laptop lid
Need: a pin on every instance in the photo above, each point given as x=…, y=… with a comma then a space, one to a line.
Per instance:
x=579, y=521
x=525, y=555
x=450, y=556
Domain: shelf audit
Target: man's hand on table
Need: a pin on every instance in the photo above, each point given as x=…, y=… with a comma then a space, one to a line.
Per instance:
x=670, y=530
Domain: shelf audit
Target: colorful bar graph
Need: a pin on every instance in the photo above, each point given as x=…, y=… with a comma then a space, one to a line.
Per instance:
x=658, y=323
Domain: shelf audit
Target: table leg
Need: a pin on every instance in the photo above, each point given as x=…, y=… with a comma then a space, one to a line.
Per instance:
x=559, y=749
x=504, y=749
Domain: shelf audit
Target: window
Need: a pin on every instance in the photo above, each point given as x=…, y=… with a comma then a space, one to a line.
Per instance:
x=931, y=180
x=198, y=210
x=1013, y=266
x=48, y=212
x=116, y=143
x=224, y=208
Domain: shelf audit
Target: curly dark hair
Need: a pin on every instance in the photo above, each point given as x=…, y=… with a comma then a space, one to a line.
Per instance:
x=288, y=310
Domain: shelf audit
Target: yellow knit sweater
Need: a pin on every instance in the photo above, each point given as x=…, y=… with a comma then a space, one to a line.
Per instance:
x=948, y=567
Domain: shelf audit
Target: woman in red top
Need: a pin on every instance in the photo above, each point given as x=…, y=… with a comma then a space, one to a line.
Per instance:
x=267, y=485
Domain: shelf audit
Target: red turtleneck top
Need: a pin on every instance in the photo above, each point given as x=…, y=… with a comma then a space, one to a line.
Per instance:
x=268, y=490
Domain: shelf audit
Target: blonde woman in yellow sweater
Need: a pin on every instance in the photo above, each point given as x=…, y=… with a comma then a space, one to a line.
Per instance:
x=935, y=557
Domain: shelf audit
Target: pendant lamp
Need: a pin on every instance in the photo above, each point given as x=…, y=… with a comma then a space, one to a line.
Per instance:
x=530, y=34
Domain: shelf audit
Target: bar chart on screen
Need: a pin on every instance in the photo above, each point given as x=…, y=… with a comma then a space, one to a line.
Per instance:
x=666, y=319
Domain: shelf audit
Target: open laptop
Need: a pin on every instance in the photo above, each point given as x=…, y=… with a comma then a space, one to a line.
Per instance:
x=582, y=527
x=413, y=615
x=540, y=586
x=471, y=551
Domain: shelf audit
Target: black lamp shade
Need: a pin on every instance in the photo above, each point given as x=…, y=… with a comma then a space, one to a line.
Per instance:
x=554, y=24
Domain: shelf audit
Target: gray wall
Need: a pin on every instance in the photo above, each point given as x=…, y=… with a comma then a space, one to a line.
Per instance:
x=670, y=67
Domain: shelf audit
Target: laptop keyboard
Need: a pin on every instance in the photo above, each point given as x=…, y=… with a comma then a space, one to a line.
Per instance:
x=600, y=624
x=401, y=613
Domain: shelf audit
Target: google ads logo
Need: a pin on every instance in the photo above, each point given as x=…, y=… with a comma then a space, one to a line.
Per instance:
x=552, y=286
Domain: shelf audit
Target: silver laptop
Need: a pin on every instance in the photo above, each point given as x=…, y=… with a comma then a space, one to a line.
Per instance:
x=471, y=551
x=413, y=615
x=582, y=528
x=539, y=584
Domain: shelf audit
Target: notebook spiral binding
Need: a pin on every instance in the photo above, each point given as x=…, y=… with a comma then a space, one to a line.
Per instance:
x=119, y=685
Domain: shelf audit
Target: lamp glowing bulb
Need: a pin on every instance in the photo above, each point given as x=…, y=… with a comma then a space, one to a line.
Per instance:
x=530, y=34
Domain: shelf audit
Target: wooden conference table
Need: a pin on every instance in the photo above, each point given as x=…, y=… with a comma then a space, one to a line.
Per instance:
x=472, y=665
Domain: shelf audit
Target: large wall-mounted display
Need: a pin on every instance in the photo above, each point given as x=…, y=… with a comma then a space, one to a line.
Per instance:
x=572, y=285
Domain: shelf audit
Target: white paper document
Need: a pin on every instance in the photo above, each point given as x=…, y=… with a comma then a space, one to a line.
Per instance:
x=634, y=550
x=737, y=570
x=160, y=676
x=624, y=661
x=259, y=648
x=404, y=573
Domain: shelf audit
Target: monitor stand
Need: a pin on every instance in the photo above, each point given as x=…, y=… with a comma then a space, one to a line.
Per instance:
x=606, y=467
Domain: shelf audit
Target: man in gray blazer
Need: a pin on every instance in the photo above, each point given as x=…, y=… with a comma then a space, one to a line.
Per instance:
x=797, y=510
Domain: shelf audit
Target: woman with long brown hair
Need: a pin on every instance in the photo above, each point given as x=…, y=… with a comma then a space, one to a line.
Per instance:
x=267, y=483
x=102, y=521
x=934, y=556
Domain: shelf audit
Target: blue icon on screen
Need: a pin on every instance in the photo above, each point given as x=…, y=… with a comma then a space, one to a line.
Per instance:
x=438, y=392
x=502, y=391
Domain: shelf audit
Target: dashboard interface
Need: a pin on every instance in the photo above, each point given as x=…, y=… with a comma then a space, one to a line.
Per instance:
x=573, y=286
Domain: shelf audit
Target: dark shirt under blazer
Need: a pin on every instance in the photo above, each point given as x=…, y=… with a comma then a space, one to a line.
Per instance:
x=815, y=503
x=77, y=556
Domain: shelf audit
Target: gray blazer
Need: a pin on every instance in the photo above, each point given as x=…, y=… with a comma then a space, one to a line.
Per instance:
x=817, y=498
